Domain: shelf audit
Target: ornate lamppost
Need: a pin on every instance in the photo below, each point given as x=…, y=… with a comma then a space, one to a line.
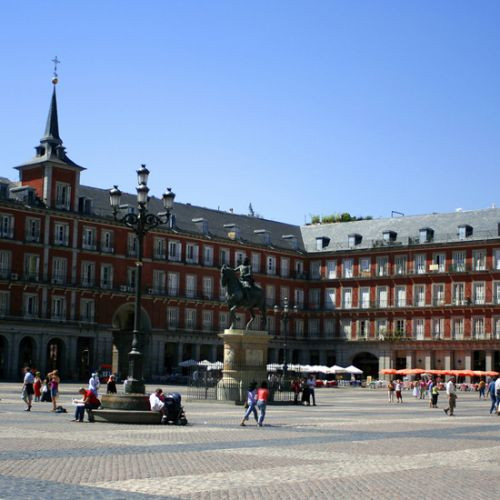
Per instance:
x=140, y=222
x=285, y=315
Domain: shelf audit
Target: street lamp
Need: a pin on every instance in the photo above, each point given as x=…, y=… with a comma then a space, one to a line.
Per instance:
x=285, y=314
x=140, y=223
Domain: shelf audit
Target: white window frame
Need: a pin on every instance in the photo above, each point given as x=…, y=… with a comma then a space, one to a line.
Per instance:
x=63, y=195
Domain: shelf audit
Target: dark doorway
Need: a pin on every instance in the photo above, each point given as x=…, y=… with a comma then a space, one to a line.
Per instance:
x=496, y=361
x=367, y=362
x=479, y=360
x=55, y=355
x=205, y=352
x=400, y=363
x=84, y=358
x=331, y=359
x=170, y=357
x=26, y=353
x=3, y=357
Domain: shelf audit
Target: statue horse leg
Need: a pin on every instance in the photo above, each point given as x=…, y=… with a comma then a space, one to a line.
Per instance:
x=232, y=316
x=252, y=317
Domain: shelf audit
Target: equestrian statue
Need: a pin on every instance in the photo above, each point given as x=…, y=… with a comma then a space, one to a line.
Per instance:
x=242, y=292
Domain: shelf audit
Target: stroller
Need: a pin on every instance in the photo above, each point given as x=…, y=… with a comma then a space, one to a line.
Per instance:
x=173, y=410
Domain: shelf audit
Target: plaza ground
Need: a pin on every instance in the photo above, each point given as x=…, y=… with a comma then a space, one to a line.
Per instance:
x=352, y=445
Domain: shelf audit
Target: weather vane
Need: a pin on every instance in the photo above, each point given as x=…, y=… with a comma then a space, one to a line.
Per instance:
x=56, y=61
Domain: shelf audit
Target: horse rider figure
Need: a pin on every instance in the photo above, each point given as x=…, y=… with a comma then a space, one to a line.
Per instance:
x=246, y=276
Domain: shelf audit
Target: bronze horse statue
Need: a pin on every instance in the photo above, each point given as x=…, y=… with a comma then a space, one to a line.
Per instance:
x=239, y=296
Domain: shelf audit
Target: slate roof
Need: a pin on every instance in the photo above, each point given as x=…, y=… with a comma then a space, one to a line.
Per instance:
x=483, y=222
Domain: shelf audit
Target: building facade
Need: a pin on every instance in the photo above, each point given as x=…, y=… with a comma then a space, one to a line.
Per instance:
x=420, y=291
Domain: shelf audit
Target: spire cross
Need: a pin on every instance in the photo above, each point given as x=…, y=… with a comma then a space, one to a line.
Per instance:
x=56, y=62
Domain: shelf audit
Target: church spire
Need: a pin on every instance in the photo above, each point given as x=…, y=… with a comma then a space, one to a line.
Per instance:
x=52, y=128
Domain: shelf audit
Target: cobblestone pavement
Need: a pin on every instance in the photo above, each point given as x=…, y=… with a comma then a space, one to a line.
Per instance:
x=352, y=445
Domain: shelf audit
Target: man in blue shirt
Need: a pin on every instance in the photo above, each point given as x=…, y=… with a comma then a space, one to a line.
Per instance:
x=493, y=395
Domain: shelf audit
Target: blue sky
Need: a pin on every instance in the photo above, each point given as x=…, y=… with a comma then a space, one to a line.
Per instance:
x=299, y=107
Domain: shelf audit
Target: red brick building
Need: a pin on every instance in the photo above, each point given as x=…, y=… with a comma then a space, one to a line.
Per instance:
x=420, y=291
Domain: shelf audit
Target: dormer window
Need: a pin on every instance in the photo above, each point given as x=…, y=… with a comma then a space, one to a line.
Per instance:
x=84, y=205
x=464, y=231
x=389, y=236
x=233, y=231
x=4, y=190
x=322, y=242
x=264, y=235
x=354, y=239
x=201, y=225
x=294, y=243
x=425, y=235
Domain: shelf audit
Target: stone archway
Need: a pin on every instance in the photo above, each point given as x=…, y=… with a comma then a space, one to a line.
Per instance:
x=27, y=356
x=4, y=349
x=367, y=362
x=123, y=326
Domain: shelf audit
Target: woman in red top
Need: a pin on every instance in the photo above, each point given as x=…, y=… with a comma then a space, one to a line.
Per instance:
x=262, y=397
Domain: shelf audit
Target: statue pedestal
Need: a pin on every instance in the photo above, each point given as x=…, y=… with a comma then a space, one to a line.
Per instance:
x=245, y=361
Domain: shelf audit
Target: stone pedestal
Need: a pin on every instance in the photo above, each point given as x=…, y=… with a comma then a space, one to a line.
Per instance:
x=126, y=408
x=245, y=361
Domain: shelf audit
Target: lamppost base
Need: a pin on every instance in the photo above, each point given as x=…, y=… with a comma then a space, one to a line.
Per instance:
x=133, y=386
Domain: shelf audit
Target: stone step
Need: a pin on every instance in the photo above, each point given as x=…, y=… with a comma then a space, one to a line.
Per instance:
x=127, y=416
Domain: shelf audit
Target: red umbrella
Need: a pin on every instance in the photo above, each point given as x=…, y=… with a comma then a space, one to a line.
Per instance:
x=491, y=373
x=388, y=371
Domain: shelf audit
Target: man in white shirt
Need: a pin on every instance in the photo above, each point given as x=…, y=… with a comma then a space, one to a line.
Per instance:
x=156, y=401
x=497, y=392
x=451, y=392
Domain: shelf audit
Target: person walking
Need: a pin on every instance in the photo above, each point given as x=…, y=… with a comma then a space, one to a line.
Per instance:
x=311, y=385
x=434, y=395
x=296, y=388
x=251, y=403
x=94, y=384
x=497, y=391
x=398, y=388
x=493, y=395
x=28, y=390
x=430, y=385
x=262, y=397
x=390, y=391
x=55, y=380
x=482, y=389
x=37, y=386
x=451, y=392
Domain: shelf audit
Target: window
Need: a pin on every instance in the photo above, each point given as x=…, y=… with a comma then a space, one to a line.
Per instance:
x=172, y=317
x=400, y=328
x=4, y=303
x=439, y=262
x=159, y=248
x=190, y=285
x=89, y=238
x=400, y=293
x=107, y=241
x=32, y=229
x=299, y=269
x=345, y=328
x=496, y=292
x=419, y=327
x=347, y=268
x=437, y=328
x=478, y=291
x=330, y=298
x=271, y=325
x=313, y=327
x=88, y=274
x=457, y=328
x=132, y=245
x=63, y=195
x=158, y=281
x=58, y=308
x=61, y=234
x=87, y=310
x=364, y=297
x=496, y=258
x=131, y=278
x=208, y=256
x=364, y=266
x=173, y=284
x=382, y=300
x=270, y=264
x=30, y=305
x=299, y=328
x=419, y=292
x=331, y=269
x=459, y=262
x=284, y=294
x=382, y=266
x=419, y=260
x=458, y=291
x=329, y=327
x=299, y=298
x=174, y=251
x=191, y=253
x=256, y=262
x=363, y=328
x=207, y=287
x=207, y=321
x=270, y=297
x=31, y=266
x=284, y=267
x=316, y=269
x=425, y=235
x=464, y=231
x=314, y=298
x=438, y=294
x=190, y=319
x=223, y=320
x=239, y=257
x=5, y=259
x=478, y=328
x=496, y=327
x=479, y=260
x=6, y=226
x=59, y=266
x=347, y=298
x=224, y=256
x=381, y=328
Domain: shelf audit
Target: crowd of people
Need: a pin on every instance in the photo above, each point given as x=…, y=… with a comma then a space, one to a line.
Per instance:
x=430, y=388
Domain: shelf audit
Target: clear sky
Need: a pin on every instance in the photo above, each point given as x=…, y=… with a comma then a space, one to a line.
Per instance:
x=299, y=107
